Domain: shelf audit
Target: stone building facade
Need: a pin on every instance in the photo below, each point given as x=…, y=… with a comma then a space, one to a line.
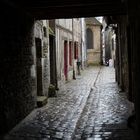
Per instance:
x=19, y=92
x=64, y=36
x=93, y=32
x=41, y=37
x=83, y=44
x=68, y=37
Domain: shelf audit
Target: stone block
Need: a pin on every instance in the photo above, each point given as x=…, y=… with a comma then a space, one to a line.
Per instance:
x=41, y=101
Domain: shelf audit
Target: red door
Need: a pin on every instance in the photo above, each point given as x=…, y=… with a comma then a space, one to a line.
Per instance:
x=65, y=59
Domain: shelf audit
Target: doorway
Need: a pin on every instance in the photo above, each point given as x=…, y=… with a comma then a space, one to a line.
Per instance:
x=38, y=45
x=66, y=60
x=53, y=71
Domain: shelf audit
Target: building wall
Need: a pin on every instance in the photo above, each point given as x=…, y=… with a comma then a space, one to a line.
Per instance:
x=134, y=59
x=18, y=68
x=108, y=44
x=44, y=60
x=18, y=80
x=84, y=49
x=103, y=40
x=123, y=55
x=116, y=35
x=94, y=55
x=77, y=37
x=64, y=23
x=67, y=30
x=113, y=47
x=63, y=33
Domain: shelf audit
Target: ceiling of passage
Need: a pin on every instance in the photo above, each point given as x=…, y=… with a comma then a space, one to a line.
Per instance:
x=52, y=9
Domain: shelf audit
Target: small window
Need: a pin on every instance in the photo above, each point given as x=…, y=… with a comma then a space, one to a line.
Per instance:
x=89, y=39
x=45, y=31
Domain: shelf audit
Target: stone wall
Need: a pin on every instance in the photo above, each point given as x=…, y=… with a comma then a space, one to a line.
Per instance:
x=94, y=55
x=18, y=73
x=68, y=30
x=83, y=44
x=62, y=34
x=122, y=46
x=44, y=58
x=108, y=35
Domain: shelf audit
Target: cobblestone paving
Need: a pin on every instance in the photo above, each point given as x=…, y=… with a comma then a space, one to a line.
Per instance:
x=106, y=111
x=89, y=108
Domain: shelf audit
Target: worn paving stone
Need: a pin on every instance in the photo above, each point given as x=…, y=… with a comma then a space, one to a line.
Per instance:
x=89, y=108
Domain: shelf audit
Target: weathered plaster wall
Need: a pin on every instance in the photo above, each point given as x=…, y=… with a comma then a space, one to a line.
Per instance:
x=77, y=37
x=83, y=43
x=62, y=34
x=66, y=30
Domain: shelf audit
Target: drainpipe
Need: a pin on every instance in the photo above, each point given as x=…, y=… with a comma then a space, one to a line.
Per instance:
x=81, y=22
x=101, y=46
x=74, y=77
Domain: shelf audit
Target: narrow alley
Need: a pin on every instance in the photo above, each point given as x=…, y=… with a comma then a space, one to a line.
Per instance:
x=88, y=108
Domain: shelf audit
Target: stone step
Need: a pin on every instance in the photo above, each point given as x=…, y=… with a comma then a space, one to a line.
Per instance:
x=41, y=100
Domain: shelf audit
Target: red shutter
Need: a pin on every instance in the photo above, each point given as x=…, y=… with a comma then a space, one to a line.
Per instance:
x=70, y=54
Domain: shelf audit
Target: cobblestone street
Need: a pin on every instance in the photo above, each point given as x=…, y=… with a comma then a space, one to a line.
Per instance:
x=88, y=108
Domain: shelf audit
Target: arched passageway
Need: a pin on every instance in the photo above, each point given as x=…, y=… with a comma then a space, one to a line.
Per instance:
x=17, y=59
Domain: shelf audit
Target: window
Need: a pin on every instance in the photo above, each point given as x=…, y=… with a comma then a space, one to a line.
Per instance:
x=45, y=31
x=112, y=44
x=89, y=39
